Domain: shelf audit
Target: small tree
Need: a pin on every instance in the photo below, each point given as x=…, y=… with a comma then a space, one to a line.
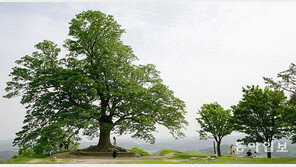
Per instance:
x=260, y=114
x=214, y=122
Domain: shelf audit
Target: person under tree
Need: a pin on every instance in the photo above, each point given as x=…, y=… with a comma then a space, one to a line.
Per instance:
x=114, y=141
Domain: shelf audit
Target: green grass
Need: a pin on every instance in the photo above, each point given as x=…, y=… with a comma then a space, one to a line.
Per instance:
x=188, y=155
x=150, y=162
x=27, y=160
x=16, y=161
x=177, y=158
x=240, y=160
x=183, y=158
x=222, y=160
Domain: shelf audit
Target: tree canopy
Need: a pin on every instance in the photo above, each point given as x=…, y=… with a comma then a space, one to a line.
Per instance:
x=214, y=122
x=261, y=114
x=95, y=88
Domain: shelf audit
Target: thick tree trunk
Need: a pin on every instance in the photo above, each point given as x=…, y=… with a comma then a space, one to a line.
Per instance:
x=218, y=149
x=104, y=139
x=104, y=144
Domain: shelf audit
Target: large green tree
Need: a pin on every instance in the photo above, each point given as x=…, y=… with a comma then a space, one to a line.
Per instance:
x=95, y=88
x=261, y=115
x=214, y=122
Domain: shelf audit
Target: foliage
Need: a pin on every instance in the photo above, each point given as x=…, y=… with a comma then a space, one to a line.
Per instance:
x=25, y=151
x=261, y=115
x=28, y=152
x=214, y=122
x=96, y=85
x=164, y=152
x=139, y=151
x=47, y=91
x=292, y=100
x=290, y=121
x=287, y=82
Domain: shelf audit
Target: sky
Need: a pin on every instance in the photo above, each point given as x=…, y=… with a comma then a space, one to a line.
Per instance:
x=206, y=51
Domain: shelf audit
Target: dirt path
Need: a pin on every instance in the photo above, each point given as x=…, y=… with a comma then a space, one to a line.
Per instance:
x=112, y=160
x=73, y=159
x=98, y=161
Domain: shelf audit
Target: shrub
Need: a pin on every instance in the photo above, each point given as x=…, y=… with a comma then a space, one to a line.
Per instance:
x=25, y=151
x=164, y=152
x=139, y=151
x=188, y=155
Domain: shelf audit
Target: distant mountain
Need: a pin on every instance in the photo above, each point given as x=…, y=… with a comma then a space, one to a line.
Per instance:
x=7, y=150
x=7, y=145
x=184, y=145
x=7, y=155
x=224, y=150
